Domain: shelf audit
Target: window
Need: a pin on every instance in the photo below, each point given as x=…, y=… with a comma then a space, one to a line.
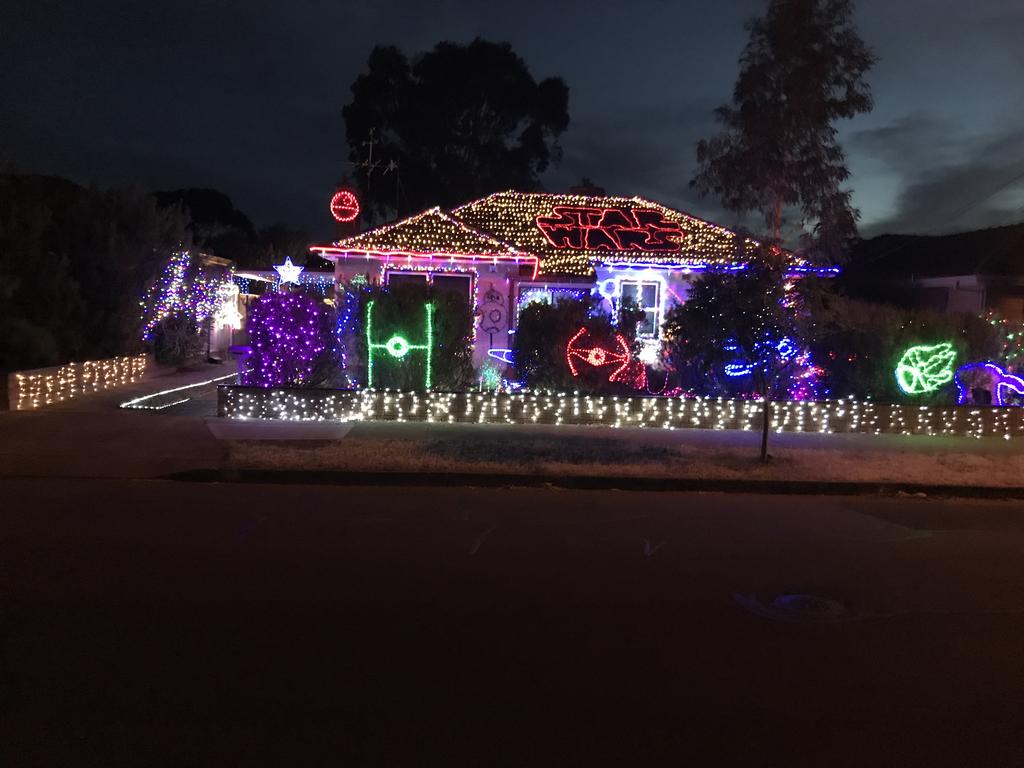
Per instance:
x=407, y=278
x=548, y=293
x=645, y=296
x=461, y=284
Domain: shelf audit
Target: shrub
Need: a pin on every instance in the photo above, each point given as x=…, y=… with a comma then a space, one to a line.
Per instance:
x=178, y=341
x=860, y=343
x=541, y=340
x=289, y=334
x=399, y=311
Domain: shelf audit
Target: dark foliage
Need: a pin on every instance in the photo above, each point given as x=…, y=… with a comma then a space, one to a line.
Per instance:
x=859, y=344
x=744, y=310
x=748, y=311
x=541, y=337
x=178, y=341
x=219, y=228
x=277, y=241
x=461, y=121
x=74, y=263
x=399, y=310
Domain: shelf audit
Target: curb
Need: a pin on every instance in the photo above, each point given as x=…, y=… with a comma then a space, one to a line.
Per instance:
x=591, y=483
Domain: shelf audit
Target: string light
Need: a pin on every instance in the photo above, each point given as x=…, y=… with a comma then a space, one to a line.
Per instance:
x=183, y=287
x=1012, y=353
x=995, y=379
x=35, y=389
x=765, y=352
x=432, y=236
x=629, y=371
x=506, y=356
x=523, y=219
x=547, y=294
x=346, y=329
x=825, y=417
x=585, y=228
x=925, y=368
x=137, y=403
x=284, y=333
x=227, y=313
x=289, y=272
x=344, y=206
x=539, y=228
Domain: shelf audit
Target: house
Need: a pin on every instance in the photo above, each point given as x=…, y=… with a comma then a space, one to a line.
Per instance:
x=512, y=248
x=968, y=272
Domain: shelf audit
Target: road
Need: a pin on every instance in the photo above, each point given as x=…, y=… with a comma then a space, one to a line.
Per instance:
x=151, y=622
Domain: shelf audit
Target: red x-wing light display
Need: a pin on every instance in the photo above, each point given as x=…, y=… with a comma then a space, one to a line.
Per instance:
x=585, y=228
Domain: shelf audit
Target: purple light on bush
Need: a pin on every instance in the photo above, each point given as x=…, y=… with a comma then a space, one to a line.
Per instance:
x=284, y=333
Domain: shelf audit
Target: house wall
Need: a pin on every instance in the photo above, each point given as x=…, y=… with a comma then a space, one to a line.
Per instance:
x=491, y=300
x=497, y=286
x=956, y=293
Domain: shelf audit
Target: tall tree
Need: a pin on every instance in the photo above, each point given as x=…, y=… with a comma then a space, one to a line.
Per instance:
x=802, y=69
x=452, y=124
x=216, y=225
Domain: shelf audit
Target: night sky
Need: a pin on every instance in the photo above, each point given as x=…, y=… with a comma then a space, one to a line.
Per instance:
x=246, y=98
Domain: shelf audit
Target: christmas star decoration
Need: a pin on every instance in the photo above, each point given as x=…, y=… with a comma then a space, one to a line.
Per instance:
x=289, y=272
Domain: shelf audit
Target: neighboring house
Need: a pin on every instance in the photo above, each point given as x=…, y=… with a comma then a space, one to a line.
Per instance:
x=253, y=283
x=972, y=272
x=512, y=248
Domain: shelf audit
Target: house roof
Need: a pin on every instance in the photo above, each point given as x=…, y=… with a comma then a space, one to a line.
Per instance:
x=520, y=219
x=567, y=234
x=432, y=232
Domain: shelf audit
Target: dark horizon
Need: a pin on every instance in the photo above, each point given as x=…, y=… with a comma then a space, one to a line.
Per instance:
x=248, y=102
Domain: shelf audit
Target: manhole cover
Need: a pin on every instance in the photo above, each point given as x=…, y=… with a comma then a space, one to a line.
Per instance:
x=795, y=607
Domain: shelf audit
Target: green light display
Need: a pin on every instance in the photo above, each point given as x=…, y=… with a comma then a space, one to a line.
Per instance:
x=397, y=346
x=924, y=368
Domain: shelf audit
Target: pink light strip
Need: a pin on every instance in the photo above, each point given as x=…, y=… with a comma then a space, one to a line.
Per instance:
x=430, y=258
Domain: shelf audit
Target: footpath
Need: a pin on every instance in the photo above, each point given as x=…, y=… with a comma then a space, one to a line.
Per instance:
x=92, y=437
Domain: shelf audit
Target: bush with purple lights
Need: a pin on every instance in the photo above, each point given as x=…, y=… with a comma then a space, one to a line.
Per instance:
x=286, y=336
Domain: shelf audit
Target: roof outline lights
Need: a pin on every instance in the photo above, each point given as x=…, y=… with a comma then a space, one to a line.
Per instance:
x=508, y=253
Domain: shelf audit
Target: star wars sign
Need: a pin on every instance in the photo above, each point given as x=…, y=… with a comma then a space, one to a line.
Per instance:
x=585, y=228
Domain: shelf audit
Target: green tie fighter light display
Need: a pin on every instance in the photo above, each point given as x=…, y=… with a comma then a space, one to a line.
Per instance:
x=398, y=346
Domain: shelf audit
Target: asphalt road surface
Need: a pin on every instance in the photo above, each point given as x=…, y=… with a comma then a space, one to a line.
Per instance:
x=161, y=623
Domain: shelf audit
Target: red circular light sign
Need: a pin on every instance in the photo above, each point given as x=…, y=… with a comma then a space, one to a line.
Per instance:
x=344, y=206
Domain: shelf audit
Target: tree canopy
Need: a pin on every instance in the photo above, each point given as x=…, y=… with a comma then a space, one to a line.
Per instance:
x=452, y=124
x=803, y=68
x=74, y=262
x=219, y=228
x=744, y=318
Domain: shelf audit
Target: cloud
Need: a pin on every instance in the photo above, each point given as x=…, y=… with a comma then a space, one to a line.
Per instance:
x=648, y=152
x=947, y=180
